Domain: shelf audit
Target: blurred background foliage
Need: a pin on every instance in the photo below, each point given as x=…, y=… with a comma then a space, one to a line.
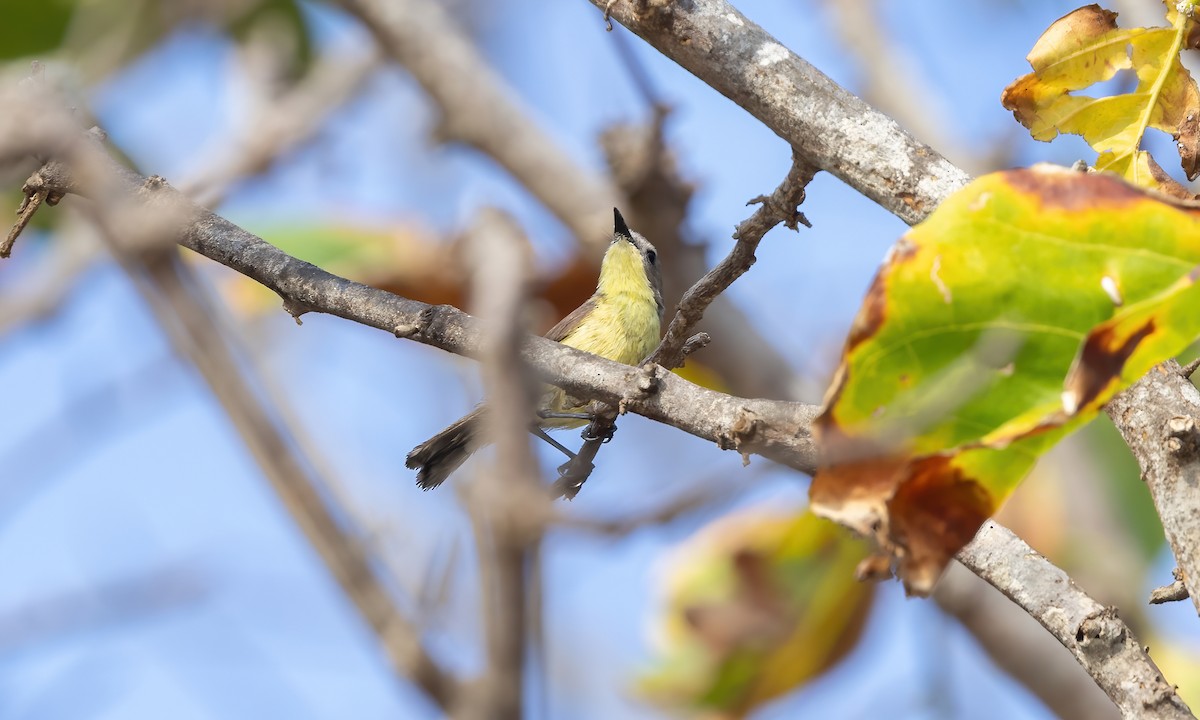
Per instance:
x=149, y=571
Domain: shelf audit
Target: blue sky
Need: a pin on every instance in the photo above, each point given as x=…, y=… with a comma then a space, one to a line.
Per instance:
x=118, y=462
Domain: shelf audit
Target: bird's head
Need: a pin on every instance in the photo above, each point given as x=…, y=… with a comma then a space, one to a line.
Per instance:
x=631, y=264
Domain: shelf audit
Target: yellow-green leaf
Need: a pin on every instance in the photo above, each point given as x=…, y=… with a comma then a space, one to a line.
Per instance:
x=756, y=605
x=1086, y=47
x=1004, y=321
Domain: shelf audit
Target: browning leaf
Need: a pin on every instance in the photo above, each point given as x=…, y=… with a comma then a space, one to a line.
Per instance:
x=757, y=604
x=1087, y=47
x=1006, y=320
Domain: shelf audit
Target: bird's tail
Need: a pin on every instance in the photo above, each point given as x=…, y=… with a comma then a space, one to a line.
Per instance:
x=443, y=453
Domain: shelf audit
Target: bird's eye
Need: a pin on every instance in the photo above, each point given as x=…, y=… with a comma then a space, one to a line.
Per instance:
x=651, y=256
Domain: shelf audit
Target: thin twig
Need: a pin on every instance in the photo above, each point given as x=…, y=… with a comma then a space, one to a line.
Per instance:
x=575, y=472
x=778, y=207
x=35, y=193
x=1174, y=592
x=1095, y=635
x=29, y=205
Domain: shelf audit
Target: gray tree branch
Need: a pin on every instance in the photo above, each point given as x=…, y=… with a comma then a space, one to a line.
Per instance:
x=1157, y=419
x=1020, y=646
x=775, y=429
x=828, y=127
x=1100, y=641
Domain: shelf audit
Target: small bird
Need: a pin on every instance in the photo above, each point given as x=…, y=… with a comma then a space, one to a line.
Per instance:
x=621, y=321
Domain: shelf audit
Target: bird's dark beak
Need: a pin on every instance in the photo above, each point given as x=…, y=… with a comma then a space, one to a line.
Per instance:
x=619, y=226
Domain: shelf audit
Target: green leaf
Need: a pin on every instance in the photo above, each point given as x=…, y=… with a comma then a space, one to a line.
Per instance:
x=1004, y=321
x=32, y=28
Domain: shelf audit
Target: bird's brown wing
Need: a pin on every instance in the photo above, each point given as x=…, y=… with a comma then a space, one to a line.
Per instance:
x=567, y=325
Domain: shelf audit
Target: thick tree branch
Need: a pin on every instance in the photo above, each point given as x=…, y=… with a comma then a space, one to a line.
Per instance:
x=1157, y=418
x=829, y=128
x=1098, y=639
x=1020, y=646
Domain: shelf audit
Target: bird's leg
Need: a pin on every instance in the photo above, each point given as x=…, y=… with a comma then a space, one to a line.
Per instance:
x=553, y=443
x=552, y=415
x=573, y=473
x=604, y=434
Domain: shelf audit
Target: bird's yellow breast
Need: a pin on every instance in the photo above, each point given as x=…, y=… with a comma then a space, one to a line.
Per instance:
x=623, y=325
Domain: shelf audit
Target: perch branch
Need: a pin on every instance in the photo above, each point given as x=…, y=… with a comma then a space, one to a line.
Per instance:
x=775, y=429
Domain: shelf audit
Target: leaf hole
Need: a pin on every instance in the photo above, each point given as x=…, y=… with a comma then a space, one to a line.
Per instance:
x=1122, y=83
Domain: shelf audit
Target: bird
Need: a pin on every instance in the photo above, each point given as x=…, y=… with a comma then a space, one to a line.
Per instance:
x=621, y=321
